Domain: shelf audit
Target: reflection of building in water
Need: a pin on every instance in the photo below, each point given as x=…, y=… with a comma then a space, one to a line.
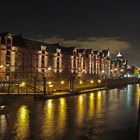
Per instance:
x=80, y=110
x=3, y=125
x=91, y=105
x=22, y=124
x=62, y=114
x=99, y=102
x=48, y=121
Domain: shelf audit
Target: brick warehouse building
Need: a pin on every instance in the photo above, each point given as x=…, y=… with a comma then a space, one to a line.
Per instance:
x=23, y=59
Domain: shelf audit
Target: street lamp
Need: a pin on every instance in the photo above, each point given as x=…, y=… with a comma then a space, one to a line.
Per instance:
x=1, y=66
x=99, y=81
x=62, y=82
x=23, y=84
x=91, y=81
x=49, y=68
x=81, y=82
x=49, y=82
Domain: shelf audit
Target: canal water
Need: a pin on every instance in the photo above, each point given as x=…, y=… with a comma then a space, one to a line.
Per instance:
x=102, y=115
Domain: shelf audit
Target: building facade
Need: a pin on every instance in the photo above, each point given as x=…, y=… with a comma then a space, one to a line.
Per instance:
x=24, y=59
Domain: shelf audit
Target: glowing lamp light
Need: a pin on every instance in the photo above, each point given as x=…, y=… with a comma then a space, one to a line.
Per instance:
x=81, y=82
x=121, y=70
x=22, y=84
x=62, y=82
x=103, y=71
x=91, y=81
x=83, y=70
x=99, y=81
x=1, y=66
x=49, y=82
x=49, y=68
x=50, y=86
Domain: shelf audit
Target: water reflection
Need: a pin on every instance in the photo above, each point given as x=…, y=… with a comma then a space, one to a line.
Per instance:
x=138, y=90
x=99, y=100
x=80, y=109
x=48, y=118
x=62, y=112
x=3, y=125
x=22, y=123
x=128, y=91
x=96, y=115
x=91, y=105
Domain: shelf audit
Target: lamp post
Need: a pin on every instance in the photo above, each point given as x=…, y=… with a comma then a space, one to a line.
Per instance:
x=72, y=80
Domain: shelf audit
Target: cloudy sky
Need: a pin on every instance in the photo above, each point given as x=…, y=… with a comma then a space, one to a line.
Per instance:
x=97, y=24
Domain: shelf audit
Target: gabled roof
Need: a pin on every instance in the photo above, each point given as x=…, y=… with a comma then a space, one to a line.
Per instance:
x=105, y=52
x=95, y=52
x=20, y=41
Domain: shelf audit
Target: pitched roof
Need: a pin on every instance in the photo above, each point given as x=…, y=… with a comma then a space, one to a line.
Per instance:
x=20, y=41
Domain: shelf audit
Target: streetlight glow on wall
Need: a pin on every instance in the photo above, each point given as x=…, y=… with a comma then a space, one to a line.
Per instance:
x=49, y=82
x=62, y=82
x=49, y=68
x=103, y=71
x=91, y=81
x=50, y=86
x=22, y=84
x=81, y=82
x=1, y=66
x=99, y=81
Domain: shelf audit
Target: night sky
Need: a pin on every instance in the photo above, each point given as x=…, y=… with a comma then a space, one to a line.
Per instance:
x=99, y=24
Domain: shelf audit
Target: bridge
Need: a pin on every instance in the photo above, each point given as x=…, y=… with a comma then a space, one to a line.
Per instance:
x=16, y=87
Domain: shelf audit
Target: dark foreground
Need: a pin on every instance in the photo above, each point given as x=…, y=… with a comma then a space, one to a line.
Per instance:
x=102, y=115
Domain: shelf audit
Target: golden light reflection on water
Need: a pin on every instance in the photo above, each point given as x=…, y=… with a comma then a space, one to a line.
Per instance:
x=22, y=123
x=48, y=107
x=91, y=105
x=62, y=114
x=48, y=121
x=80, y=110
x=99, y=100
x=3, y=125
x=138, y=93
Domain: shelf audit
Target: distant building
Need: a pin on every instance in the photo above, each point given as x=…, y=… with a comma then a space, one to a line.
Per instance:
x=119, y=66
x=24, y=59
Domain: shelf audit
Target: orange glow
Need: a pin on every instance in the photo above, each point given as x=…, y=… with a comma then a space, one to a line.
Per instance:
x=91, y=81
x=50, y=86
x=62, y=82
x=62, y=115
x=22, y=123
x=91, y=105
x=81, y=82
x=49, y=82
x=99, y=81
x=99, y=99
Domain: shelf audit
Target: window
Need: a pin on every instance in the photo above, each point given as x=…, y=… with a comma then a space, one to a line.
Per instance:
x=8, y=47
x=43, y=51
x=43, y=57
x=42, y=61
